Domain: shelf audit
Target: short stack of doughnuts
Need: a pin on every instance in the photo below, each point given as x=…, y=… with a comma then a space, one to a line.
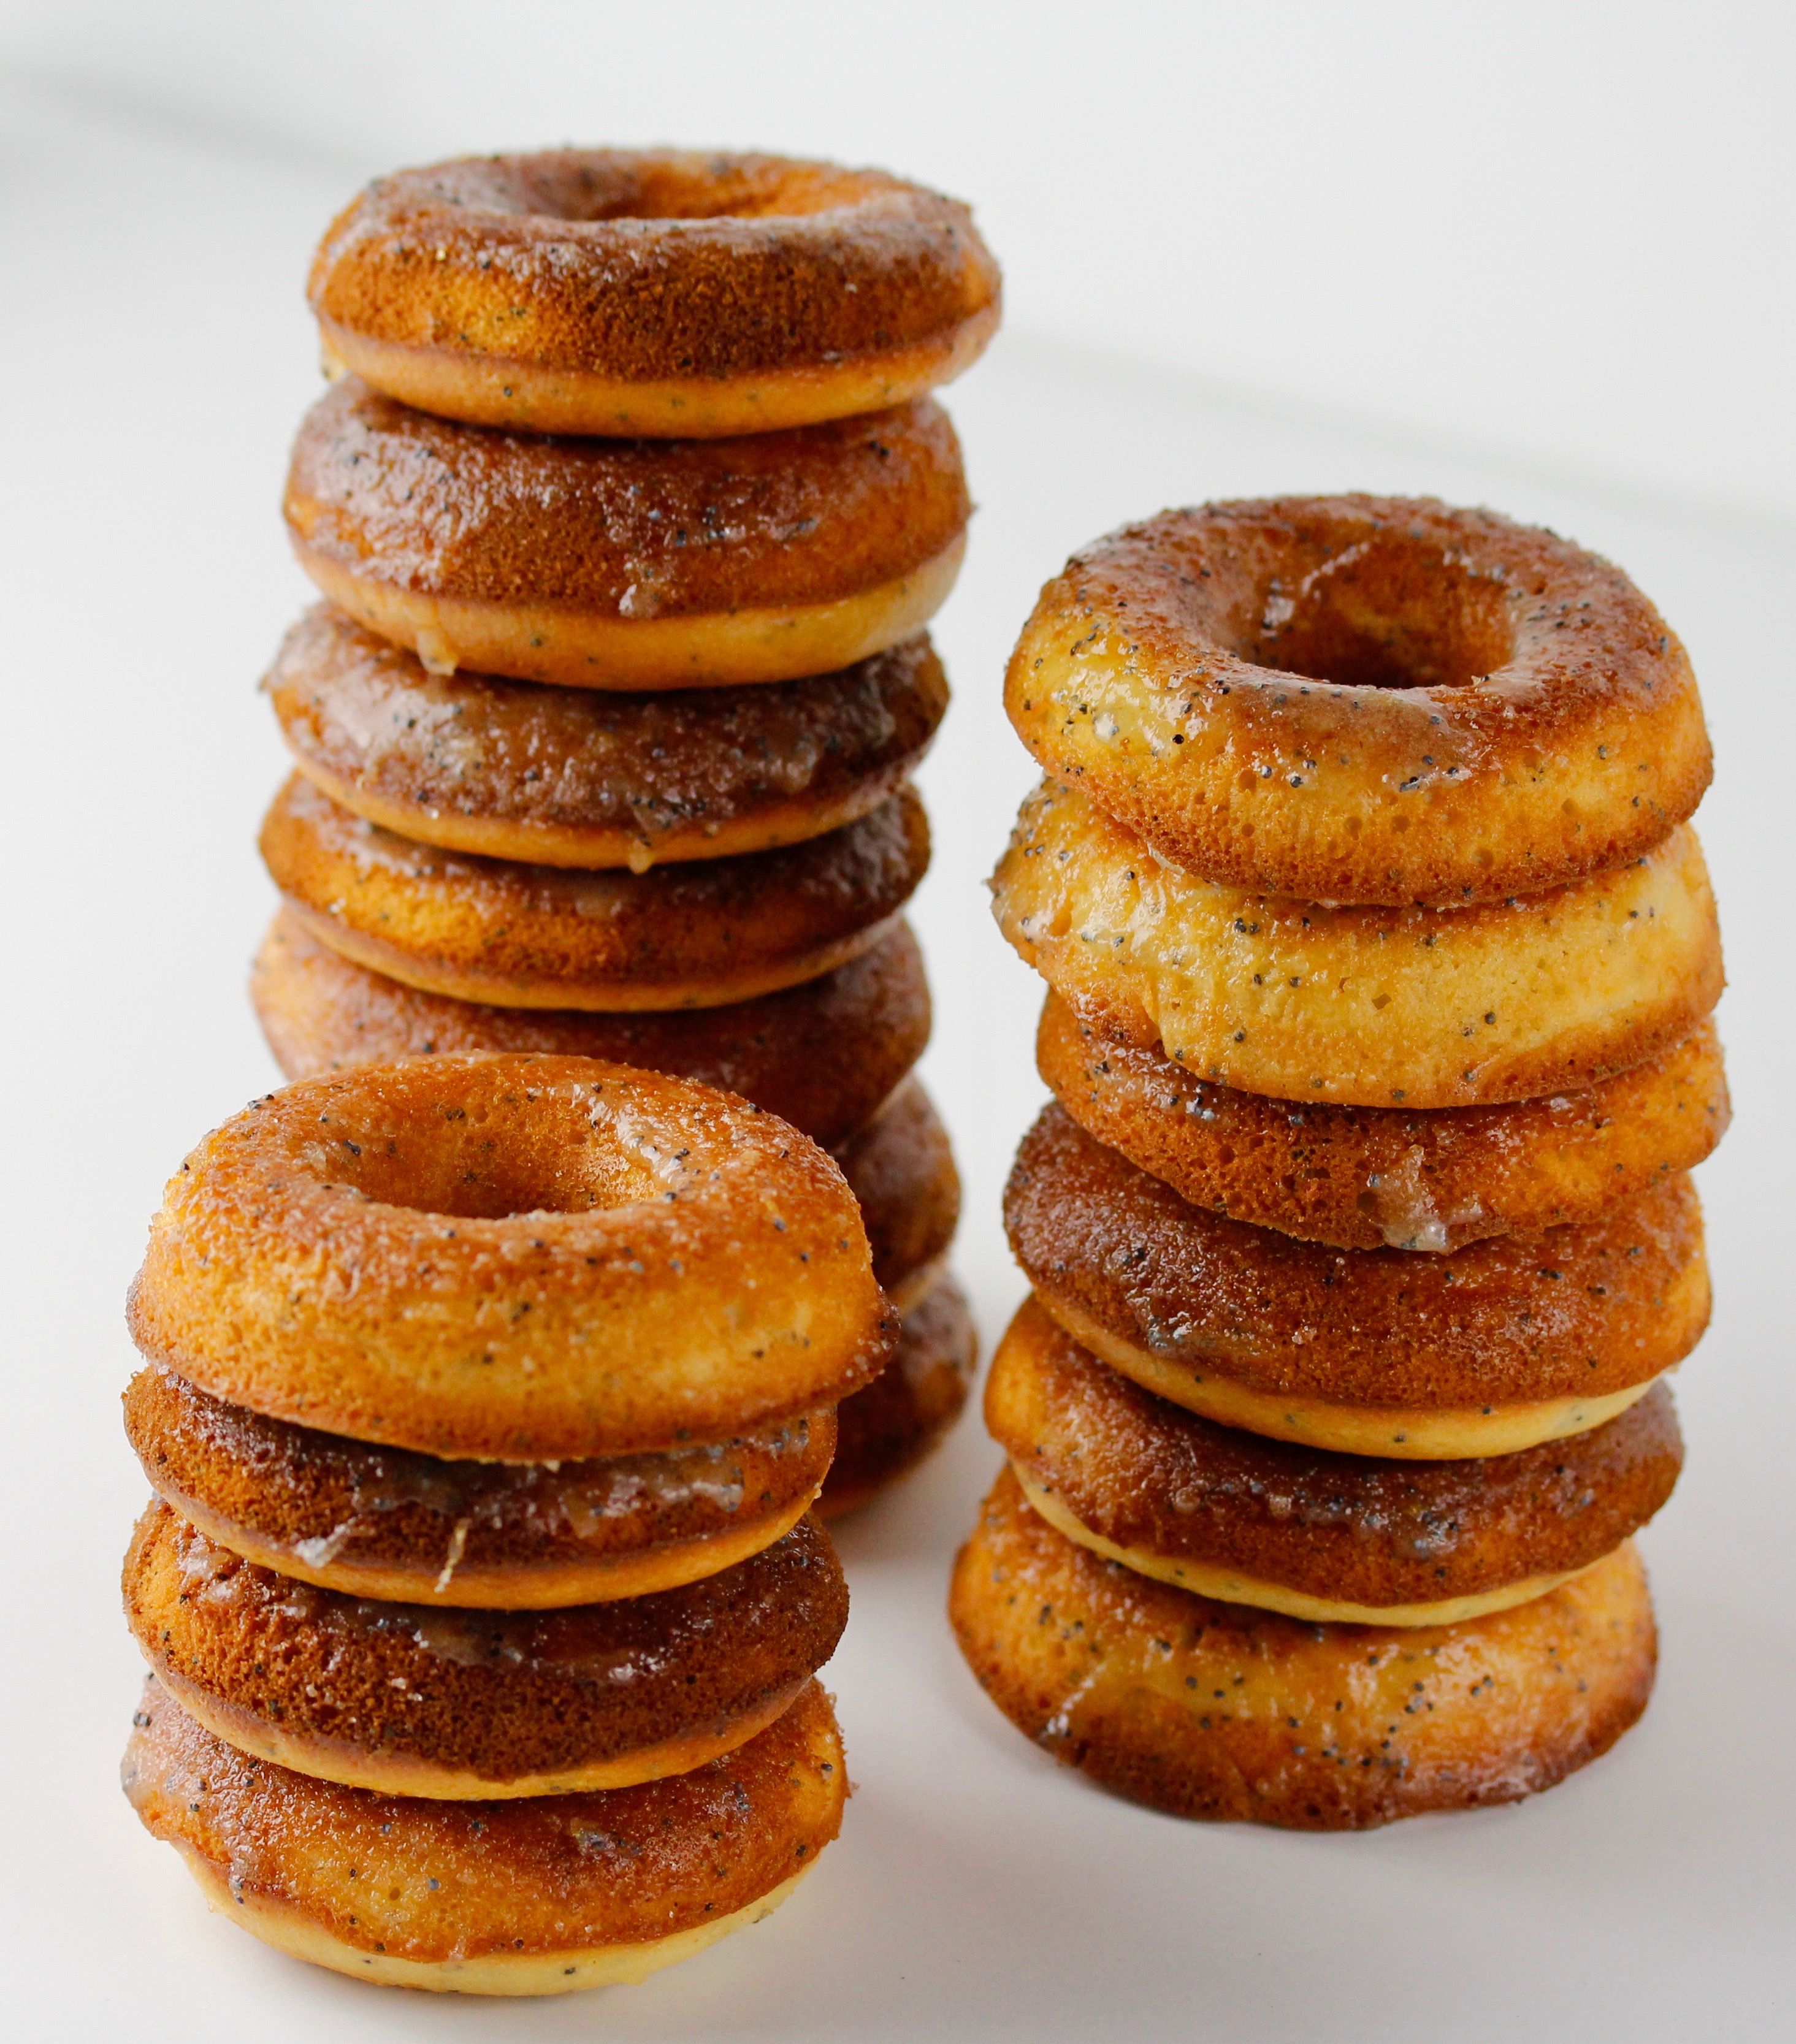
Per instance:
x=1381, y=959
x=485, y=1400
x=630, y=505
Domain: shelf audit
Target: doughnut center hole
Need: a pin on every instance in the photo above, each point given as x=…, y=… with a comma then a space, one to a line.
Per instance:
x=697, y=188
x=1389, y=612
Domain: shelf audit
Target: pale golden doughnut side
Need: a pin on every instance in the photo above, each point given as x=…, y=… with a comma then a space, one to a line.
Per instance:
x=1372, y=1007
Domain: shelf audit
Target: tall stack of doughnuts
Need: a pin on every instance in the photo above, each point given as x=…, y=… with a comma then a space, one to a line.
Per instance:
x=485, y=1401
x=630, y=505
x=1381, y=958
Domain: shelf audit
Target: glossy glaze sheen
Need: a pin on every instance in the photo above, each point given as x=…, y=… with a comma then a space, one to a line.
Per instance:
x=1577, y=1312
x=502, y=932
x=822, y=1055
x=1362, y=699
x=514, y=1258
x=1217, y=1710
x=1369, y=1178
x=496, y=1695
x=904, y=1415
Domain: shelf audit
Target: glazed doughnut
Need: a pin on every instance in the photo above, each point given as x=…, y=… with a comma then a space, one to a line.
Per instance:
x=582, y=776
x=497, y=932
x=1219, y=1711
x=901, y=1169
x=651, y=291
x=1512, y=1341
x=510, y=1258
x=541, y=1896
x=1380, y=1177
x=628, y=564
x=384, y=1522
x=886, y=1430
x=821, y=1055
x=1331, y=1538
x=1362, y=699
x=1369, y=1007
x=414, y=1700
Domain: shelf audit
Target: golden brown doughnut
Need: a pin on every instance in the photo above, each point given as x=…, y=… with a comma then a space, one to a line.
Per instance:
x=497, y=932
x=1376, y=1177
x=589, y=777
x=512, y=1257
x=415, y=1699
x=628, y=564
x=654, y=291
x=901, y=1169
x=540, y=1896
x=1218, y=1710
x=373, y=1522
x=1326, y=1537
x=1512, y=1341
x=822, y=1055
x=1370, y=1007
x=887, y=1428
x=1364, y=699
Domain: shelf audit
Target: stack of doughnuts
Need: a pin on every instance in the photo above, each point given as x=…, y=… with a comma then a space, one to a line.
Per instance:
x=486, y=1399
x=629, y=505
x=1381, y=958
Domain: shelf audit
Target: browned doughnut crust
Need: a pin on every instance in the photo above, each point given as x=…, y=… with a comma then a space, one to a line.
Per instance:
x=1585, y=1310
x=373, y=1522
x=512, y=1257
x=1219, y=1711
x=1145, y=1475
x=536, y=1890
x=588, y=776
x=902, y=1416
x=1364, y=699
x=653, y=291
x=900, y=1169
x=574, y=561
x=1370, y=1178
x=497, y=931
x=422, y=1700
x=821, y=1055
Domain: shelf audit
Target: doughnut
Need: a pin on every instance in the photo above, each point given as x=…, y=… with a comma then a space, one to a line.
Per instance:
x=512, y=1259
x=1380, y=1177
x=587, y=778
x=821, y=1055
x=1369, y=1007
x=628, y=564
x=496, y=931
x=415, y=1700
x=886, y=1430
x=1362, y=699
x=542, y=1896
x=385, y=1523
x=901, y=1169
x=651, y=291
x=1512, y=1341
x=1332, y=1537
x=1214, y=1710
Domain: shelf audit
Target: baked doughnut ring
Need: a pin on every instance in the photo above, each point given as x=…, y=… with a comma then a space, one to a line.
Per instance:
x=413, y=1699
x=900, y=1169
x=628, y=564
x=821, y=1055
x=384, y=1522
x=1367, y=699
x=587, y=778
x=541, y=1896
x=1331, y=1538
x=1370, y=1007
x=516, y=1258
x=1512, y=1341
x=496, y=931
x=1219, y=1711
x=887, y=1429
x=652, y=291
x=1377, y=1177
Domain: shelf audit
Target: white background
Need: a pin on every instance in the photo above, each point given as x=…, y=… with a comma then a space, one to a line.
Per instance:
x=1534, y=256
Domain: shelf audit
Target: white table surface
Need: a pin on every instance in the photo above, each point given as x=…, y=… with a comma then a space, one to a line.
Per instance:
x=156, y=356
